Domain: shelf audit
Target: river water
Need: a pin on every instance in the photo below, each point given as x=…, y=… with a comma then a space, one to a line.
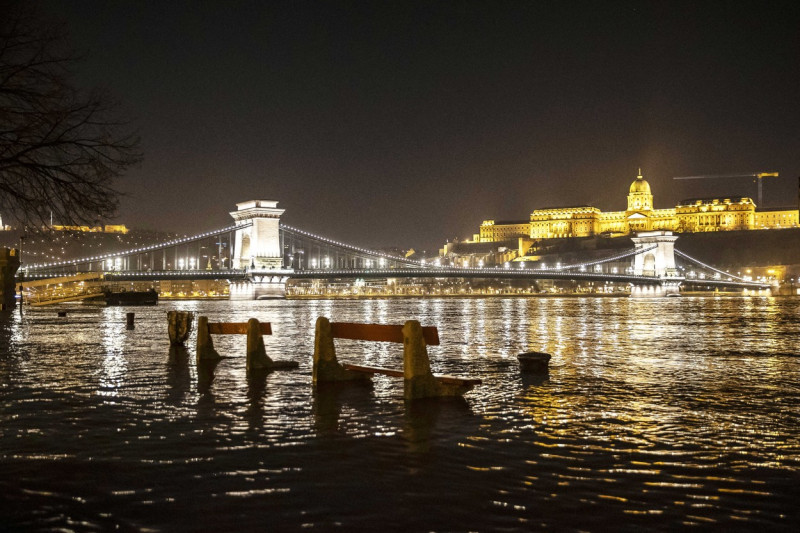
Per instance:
x=657, y=414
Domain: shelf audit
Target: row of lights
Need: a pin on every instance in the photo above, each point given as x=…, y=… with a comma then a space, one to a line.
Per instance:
x=143, y=249
x=458, y=271
x=580, y=266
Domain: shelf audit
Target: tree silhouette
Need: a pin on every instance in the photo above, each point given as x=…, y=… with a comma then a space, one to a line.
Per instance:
x=60, y=147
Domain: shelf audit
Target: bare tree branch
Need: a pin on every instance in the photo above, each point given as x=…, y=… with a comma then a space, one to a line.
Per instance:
x=61, y=148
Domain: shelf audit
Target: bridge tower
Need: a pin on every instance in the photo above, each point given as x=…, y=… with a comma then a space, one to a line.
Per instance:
x=258, y=246
x=658, y=263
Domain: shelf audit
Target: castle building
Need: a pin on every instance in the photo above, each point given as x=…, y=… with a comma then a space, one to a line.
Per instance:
x=689, y=216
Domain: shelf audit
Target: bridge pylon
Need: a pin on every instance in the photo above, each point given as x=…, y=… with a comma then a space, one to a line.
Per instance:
x=257, y=244
x=658, y=262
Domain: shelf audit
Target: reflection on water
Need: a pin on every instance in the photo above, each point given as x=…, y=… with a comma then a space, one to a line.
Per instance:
x=655, y=414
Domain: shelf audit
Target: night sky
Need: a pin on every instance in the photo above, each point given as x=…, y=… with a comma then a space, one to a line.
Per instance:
x=407, y=123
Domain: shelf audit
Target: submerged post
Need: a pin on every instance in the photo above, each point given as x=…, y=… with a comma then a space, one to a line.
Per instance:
x=179, y=326
x=534, y=362
x=129, y=317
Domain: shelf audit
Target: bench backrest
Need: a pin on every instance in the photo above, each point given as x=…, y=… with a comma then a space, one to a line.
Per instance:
x=378, y=332
x=236, y=328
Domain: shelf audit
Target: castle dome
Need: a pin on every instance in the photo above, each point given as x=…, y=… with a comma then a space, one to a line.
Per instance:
x=640, y=185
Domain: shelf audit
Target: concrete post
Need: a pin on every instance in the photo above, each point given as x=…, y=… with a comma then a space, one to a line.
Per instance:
x=9, y=263
x=419, y=381
x=179, y=326
x=326, y=367
x=205, y=346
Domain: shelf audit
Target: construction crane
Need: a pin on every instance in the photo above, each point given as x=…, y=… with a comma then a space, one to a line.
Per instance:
x=757, y=175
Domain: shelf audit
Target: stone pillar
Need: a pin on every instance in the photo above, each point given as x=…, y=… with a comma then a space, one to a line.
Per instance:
x=326, y=366
x=205, y=346
x=9, y=264
x=419, y=381
x=179, y=326
x=659, y=263
x=661, y=260
x=262, y=238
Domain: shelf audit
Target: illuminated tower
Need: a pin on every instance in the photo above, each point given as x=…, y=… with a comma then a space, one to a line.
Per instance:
x=640, y=198
x=258, y=242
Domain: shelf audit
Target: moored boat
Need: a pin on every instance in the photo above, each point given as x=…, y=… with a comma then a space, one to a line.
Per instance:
x=149, y=297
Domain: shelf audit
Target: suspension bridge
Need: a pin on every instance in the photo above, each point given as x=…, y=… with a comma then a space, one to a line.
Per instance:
x=258, y=254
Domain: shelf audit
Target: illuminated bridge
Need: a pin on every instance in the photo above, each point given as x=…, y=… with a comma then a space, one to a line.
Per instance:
x=258, y=255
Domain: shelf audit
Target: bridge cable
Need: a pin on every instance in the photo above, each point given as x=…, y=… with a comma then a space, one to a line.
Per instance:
x=154, y=247
x=698, y=262
x=604, y=260
x=297, y=231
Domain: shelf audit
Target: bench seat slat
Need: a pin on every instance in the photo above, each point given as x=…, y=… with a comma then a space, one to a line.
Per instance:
x=373, y=370
x=399, y=374
x=379, y=332
x=236, y=328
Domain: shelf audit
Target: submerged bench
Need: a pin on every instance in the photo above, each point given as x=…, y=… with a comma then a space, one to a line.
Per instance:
x=419, y=381
x=257, y=358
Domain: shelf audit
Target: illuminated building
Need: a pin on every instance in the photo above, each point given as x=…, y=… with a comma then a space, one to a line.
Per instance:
x=108, y=228
x=689, y=216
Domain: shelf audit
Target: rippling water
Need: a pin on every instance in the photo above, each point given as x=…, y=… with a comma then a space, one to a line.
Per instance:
x=660, y=413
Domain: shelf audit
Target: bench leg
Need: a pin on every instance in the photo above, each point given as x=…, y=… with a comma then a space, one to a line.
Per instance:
x=326, y=366
x=419, y=381
x=205, y=346
x=257, y=358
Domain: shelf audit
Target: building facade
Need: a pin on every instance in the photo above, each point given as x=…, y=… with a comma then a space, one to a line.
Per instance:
x=689, y=216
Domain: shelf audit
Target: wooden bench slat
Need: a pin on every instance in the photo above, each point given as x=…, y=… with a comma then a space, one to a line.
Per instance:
x=399, y=374
x=373, y=370
x=379, y=332
x=455, y=380
x=236, y=328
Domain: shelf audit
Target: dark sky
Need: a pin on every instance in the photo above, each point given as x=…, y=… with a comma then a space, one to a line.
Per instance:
x=407, y=123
